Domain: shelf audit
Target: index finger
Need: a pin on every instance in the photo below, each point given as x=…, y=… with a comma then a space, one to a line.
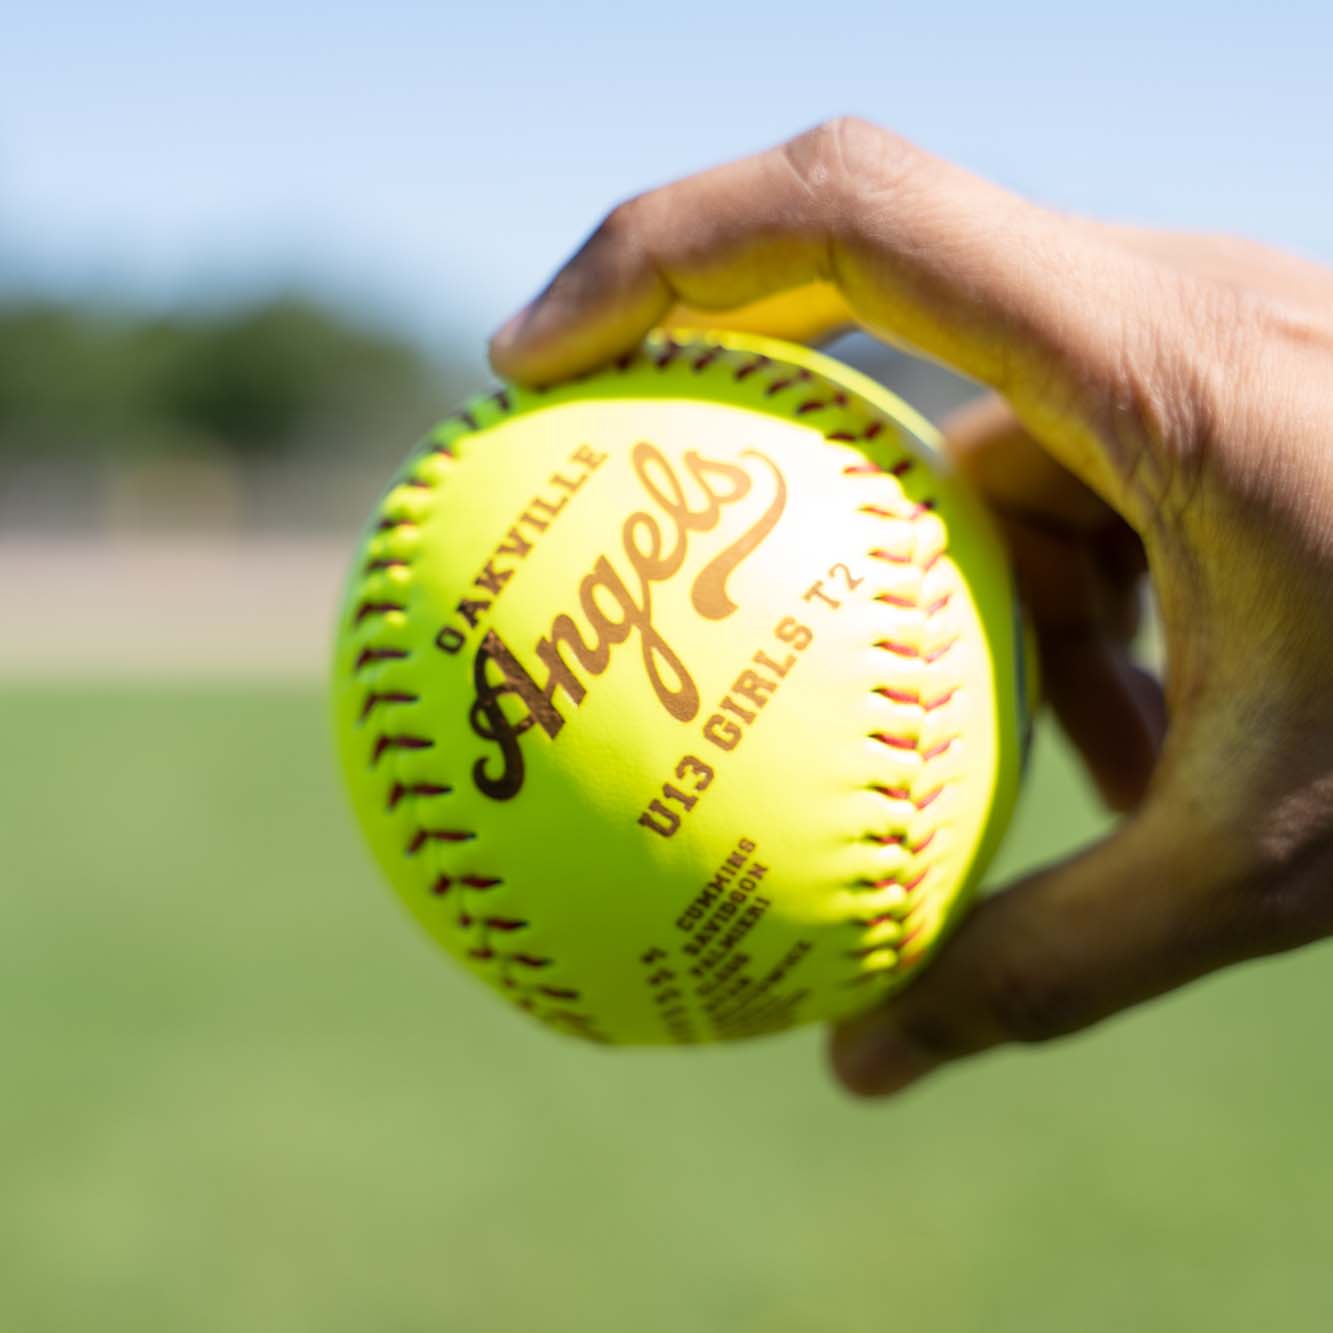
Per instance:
x=922, y=252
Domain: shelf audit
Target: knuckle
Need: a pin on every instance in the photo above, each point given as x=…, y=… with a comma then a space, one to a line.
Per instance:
x=841, y=136
x=843, y=158
x=625, y=218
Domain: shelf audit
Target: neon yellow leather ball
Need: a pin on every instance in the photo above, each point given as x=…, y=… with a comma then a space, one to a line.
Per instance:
x=685, y=701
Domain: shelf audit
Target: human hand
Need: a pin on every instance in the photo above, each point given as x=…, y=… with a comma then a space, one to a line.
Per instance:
x=1165, y=403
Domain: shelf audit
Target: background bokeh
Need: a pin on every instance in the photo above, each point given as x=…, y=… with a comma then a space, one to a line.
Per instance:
x=247, y=254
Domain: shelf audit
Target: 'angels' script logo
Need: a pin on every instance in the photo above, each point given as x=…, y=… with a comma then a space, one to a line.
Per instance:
x=614, y=608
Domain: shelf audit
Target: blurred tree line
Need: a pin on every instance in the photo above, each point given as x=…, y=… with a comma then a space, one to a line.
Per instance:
x=253, y=382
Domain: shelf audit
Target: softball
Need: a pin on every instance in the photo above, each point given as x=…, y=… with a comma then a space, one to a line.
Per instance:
x=685, y=701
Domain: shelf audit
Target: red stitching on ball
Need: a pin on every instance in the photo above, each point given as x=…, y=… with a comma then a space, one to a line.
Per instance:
x=745, y=371
x=785, y=382
x=707, y=359
x=377, y=697
x=910, y=650
x=443, y=883
x=386, y=743
x=428, y=835
x=866, y=950
x=908, y=886
x=905, y=794
x=369, y=656
x=899, y=649
x=913, y=933
x=892, y=557
x=401, y=789
x=895, y=742
x=368, y=609
x=897, y=696
x=917, y=602
x=870, y=922
x=892, y=793
x=913, y=697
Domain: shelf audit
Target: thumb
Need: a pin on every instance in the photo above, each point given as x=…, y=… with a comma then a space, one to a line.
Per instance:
x=1136, y=915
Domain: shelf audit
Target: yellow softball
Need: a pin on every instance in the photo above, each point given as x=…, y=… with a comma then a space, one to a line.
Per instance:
x=685, y=701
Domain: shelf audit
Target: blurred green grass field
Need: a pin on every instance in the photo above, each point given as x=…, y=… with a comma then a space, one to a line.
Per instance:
x=242, y=1093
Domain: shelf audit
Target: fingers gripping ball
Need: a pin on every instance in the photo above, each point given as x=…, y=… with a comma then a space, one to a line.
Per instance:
x=686, y=701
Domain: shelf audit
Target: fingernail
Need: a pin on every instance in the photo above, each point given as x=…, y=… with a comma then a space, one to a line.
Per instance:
x=877, y=1061
x=509, y=330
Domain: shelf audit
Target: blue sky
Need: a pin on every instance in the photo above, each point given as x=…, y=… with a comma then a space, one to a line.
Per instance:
x=436, y=160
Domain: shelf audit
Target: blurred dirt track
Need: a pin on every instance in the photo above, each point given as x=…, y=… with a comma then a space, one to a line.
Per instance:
x=216, y=607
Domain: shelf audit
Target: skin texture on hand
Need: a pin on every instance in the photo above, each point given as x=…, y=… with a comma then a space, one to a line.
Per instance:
x=1163, y=407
